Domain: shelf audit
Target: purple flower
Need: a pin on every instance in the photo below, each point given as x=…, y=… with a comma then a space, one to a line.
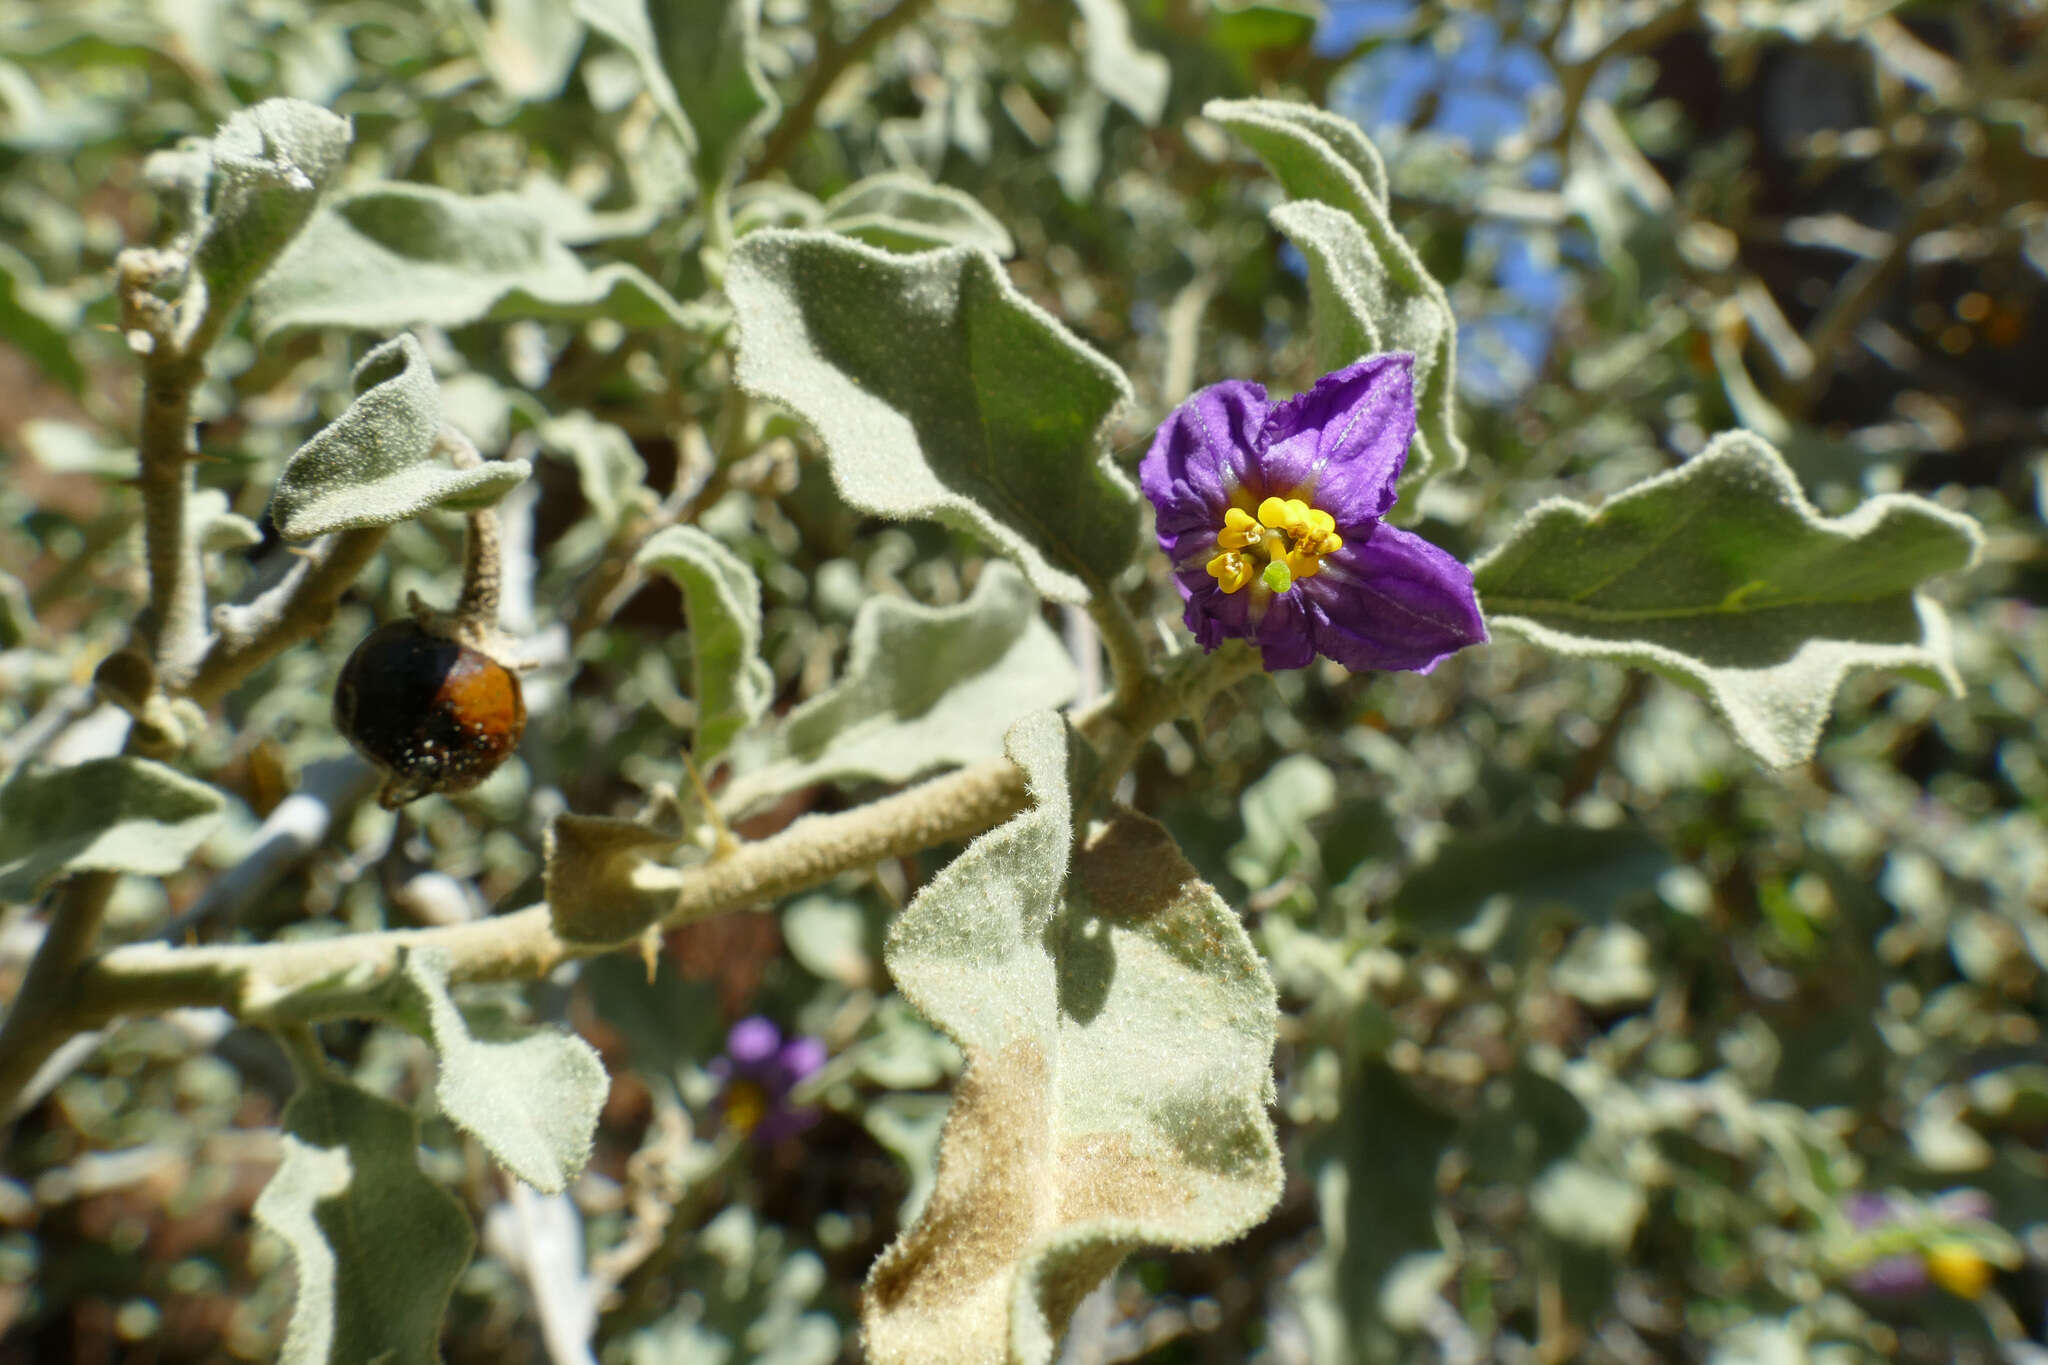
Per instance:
x=758, y=1070
x=1906, y=1248
x=1271, y=514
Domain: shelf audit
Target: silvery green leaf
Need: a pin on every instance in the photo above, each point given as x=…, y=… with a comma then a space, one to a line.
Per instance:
x=939, y=391
x=37, y=322
x=722, y=604
x=610, y=472
x=104, y=815
x=530, y=47
x=1390, y=1143
x=904, y=212
x=376, y=1245
x=604, y=881
x=924, y=688
x=1722, y=576
x=1485, y=881
x=701, y=62
x=1588, y=1206
x=269, y=164
x=1369, y=289
x=1118, y=1030
x=530, y=1096
x=403, y=255
x=374, y=464
x=1119, y=68
x=1277, y=809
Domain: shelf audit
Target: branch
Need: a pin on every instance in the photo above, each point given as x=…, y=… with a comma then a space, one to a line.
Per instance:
x=297, y=608
x=303, y=982
x=834, y=59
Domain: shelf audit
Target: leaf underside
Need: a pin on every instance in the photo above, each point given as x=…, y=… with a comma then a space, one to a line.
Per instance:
x=1369, y=290
x=1118, y=1030
x=1722, y=576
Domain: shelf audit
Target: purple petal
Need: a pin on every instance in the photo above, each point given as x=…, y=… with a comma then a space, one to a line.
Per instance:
x=1395, y=601
x=1867, y=1210
x=800, y=1056
x=1286, y=634
x=1213, y=615
x=1891, y=1277
x=1341, y=445
x=1200, y=455
x=782, y=1122
x=1964, y=1205
x=753, y=1040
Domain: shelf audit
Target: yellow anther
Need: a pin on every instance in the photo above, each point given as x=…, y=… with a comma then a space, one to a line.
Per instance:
x=1302, y=563
x=1958, y=1268
x=1291, y=535
x=1239, y=530
x=1231, y=571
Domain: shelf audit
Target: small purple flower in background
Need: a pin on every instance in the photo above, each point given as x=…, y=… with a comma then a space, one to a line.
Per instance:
x=1954, y=1263
x=758, y=1070
x=1271, y=515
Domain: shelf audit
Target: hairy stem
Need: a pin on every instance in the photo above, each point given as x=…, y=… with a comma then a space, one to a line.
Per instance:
x=297, y=608
x=42, y=1016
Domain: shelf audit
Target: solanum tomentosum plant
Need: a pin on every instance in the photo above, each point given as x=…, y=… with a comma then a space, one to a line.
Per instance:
x=1112, y=684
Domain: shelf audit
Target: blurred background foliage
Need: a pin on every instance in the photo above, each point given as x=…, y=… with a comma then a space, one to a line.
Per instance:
x=1596, y=1039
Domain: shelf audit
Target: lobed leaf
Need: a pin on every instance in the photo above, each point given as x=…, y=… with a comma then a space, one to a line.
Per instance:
x=372, y=465
x=940, y=391
x=899, y=211
x=701, y=61
x=530, y=1096
x=376, y=1244
x=105, y=815
x=269, y=164
x=1722, y=576
x=722, y=602
x=924, y=688
x=1118, y=1030
x=1369, y=289
x=403, y=255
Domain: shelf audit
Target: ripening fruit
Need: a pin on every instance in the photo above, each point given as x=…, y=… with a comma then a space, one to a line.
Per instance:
x=434, y=714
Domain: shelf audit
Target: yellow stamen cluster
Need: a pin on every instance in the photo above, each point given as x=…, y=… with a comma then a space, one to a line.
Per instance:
x=1292, y=536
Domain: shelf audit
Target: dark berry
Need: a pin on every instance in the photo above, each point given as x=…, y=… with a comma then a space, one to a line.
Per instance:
x=433, y=713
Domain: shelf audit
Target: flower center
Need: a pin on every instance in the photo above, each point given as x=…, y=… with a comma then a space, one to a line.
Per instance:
x=746, y=1104
x=1292, y=537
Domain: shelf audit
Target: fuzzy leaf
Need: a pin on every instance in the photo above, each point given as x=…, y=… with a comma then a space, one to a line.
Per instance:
x=722, y=600
x=701, y=61
x=104, y=815
x=903, y=212
x=269, y=164
x=530, y=1096
x=376, y=1244
x=604, y=881
x=1369, y=289
x=940, y=391
x=1722, y=576
x=1118, y=1030
x=1118, y=67
x=372, y=465
x=404, y=255
x=924, y=688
